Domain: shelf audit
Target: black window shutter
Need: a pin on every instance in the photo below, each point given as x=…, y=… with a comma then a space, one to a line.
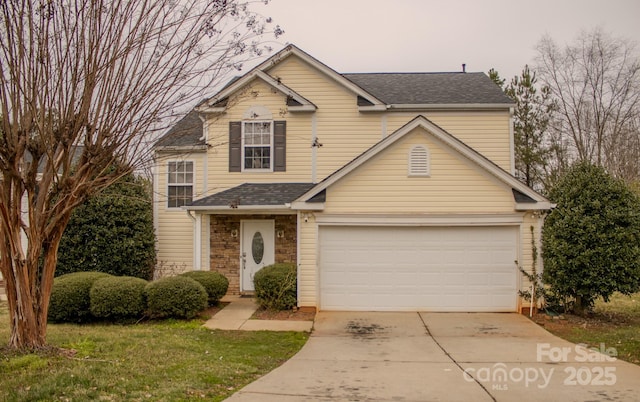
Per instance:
x=235, y=146
x=280, y=146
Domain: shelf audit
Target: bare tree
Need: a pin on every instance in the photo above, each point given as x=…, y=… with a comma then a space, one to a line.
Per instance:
x=83, y=86
x=596, y=83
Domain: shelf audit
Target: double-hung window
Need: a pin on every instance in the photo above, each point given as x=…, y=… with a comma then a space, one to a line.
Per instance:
x=180, y=183
x=257, y=145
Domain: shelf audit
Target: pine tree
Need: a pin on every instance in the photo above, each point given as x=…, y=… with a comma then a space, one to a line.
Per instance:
x=531, y=119
x=495, y=77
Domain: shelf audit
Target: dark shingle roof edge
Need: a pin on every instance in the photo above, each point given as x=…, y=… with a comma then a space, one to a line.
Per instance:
x=187, y=132
x=253, y=195
x=431, y=88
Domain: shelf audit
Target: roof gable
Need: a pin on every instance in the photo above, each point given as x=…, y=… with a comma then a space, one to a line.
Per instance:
x=298, y=101
x=533, y=199
x=295, y=101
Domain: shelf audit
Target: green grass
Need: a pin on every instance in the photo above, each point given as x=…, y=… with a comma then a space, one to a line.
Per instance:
x=616, y=324
x=165, y=360
x=624, y=306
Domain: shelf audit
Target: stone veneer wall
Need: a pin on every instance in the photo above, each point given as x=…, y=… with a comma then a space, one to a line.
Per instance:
x=225, y=249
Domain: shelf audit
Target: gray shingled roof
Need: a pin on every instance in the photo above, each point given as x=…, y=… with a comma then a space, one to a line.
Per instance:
x=186, y=132
x=254, y=194
x=431, y=88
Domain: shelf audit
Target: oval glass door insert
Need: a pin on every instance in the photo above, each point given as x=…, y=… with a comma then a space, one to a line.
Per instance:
x=257, y=247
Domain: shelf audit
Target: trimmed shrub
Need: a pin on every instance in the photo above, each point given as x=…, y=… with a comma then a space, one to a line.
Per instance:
x=213, y=282
x=276, y=286
x=118, y=298
x=112, y=232
x=70, y=299
x=175, y=296
x=591, y=240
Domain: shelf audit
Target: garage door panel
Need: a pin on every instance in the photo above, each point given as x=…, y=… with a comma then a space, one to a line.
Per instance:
x=418, y=268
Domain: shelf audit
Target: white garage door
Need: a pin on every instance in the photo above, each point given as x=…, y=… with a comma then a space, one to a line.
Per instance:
x=418, y=268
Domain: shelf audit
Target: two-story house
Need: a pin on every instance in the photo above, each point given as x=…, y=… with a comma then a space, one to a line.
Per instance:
x=389, y=191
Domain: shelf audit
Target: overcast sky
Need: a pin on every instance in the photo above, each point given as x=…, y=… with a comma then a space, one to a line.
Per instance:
x=440, y=35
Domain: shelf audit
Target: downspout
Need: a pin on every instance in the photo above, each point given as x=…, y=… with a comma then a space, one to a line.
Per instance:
x=314, y=149
x=298, y=259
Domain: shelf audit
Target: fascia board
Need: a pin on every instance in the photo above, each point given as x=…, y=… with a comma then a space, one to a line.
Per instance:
x=451, y=106
x=186, y=148
x=210, y=110
x=420, y=219
x=218, y=208
x=374, y=108
x=537, y=206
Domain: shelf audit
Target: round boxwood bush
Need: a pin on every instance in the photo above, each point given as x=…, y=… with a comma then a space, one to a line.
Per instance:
x=175, y=296
x=118, y=298
x=213, y=282
x=276, y=286
x=70, y=299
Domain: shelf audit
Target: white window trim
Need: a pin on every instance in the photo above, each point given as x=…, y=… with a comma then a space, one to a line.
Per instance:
x=271, y=147
x=410, y=162
x=167, y=184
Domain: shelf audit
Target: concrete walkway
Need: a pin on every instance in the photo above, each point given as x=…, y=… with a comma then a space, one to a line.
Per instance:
x=236, y=316
x=441, y=357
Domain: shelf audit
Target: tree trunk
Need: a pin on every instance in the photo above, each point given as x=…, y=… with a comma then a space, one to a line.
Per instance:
x=580, y=307
x=28, y=329
x=29, y=281
x=27, y=321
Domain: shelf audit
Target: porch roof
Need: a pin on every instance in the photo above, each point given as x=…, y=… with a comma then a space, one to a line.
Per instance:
x=253, y=195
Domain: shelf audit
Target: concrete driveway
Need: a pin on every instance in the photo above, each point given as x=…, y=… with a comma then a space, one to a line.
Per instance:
x=356, y=356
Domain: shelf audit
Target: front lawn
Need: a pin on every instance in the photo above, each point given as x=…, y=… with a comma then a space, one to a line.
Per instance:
x=615, y=324
x=163, y=360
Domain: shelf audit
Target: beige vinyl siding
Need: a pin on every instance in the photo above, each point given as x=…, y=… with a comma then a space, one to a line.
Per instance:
x=455, y=184
x=298, y=137
x=174, y=229
x=485, y=131
x=308, y=274
x=342, y=130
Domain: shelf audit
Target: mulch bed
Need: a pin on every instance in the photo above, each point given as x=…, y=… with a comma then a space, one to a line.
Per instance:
x=564, y=323
x=287, y=315
x=262, y=314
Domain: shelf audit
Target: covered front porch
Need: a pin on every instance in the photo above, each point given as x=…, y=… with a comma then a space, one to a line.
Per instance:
x=243, y=229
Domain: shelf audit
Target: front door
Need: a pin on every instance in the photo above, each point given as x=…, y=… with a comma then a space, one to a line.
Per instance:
x=257, y=249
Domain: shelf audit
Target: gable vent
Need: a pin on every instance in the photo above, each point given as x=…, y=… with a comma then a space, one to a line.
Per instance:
x=419, y=161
